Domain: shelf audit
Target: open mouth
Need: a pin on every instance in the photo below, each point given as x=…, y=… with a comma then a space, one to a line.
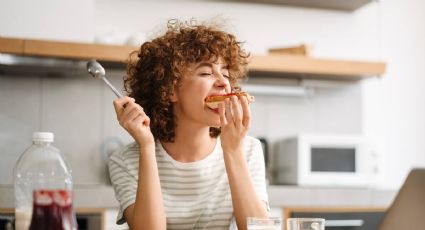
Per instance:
x=213, y=105
x=212, y=101
x=214, y=110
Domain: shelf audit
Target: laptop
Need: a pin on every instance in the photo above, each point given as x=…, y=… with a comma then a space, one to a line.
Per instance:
x=407, y=212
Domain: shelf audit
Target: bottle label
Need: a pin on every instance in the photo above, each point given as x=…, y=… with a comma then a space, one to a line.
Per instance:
x=22, y=219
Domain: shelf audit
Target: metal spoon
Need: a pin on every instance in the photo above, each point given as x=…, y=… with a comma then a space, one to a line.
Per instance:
x=98, y=72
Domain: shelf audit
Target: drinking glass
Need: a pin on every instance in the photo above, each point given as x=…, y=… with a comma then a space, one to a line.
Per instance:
x=305, y=224
x=271, y=223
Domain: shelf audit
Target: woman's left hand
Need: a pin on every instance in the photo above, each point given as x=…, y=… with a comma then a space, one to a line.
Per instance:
x=235, y=119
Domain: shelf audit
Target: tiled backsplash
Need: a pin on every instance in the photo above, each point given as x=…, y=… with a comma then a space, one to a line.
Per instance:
x=79, y=111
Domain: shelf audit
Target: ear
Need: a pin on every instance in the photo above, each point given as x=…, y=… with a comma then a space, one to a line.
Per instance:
x=173, y=96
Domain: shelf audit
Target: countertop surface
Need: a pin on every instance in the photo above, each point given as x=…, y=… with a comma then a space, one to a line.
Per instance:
x=285, y=196
x=102, y=196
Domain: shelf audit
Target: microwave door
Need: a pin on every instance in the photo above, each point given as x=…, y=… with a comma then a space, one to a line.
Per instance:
x=333, y=160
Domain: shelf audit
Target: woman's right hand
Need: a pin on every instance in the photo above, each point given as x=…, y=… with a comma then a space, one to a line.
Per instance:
x=133, y=119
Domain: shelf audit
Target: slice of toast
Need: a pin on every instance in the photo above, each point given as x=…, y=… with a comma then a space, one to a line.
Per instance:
x=213, y=101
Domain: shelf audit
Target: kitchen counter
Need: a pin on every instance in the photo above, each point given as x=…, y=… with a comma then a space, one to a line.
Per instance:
x=295, y=196
x=101, y=196
x=279, y=196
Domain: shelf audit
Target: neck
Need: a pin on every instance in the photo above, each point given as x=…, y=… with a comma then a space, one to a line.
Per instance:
x=190, y=144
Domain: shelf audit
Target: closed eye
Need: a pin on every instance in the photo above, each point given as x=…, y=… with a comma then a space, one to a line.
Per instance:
x=225, y=72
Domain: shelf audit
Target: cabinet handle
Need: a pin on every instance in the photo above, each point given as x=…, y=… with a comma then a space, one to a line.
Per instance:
x=344, y=223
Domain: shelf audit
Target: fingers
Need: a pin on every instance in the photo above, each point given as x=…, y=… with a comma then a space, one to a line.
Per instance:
x=228, y=110
x=222, y=112
x=128, y=111
x=131, y=112
x=120, y=103
x=246, y=119
x=235, y=111
x=141, y=119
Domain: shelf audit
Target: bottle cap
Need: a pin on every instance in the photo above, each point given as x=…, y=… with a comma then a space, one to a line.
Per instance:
x=42, y=136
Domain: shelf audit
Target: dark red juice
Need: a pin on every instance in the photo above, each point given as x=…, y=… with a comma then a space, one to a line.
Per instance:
x=52, y=210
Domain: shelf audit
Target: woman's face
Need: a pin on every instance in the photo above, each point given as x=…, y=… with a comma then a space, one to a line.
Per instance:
x=200, y=81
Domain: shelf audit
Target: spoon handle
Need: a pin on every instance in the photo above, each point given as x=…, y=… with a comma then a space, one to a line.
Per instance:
x=119, y=95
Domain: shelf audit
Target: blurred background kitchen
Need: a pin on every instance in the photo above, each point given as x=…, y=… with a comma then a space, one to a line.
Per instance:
x=386, y=108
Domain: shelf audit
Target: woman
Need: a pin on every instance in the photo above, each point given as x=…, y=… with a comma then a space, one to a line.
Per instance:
x=190, y=167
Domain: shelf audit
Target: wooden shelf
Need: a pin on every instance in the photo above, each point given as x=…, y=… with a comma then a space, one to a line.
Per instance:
x=11, y=45
x=316, y=67
x=300, y=66
x=69, y=50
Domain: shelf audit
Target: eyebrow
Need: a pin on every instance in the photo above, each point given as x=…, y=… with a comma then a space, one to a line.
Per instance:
x=206, y=64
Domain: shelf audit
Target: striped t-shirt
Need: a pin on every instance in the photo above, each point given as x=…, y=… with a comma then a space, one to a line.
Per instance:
x=196, y=195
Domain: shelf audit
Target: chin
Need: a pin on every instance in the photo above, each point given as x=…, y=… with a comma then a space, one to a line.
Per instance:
x=216, y=123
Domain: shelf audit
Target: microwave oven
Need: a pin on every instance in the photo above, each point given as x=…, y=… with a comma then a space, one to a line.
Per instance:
x=325, y=160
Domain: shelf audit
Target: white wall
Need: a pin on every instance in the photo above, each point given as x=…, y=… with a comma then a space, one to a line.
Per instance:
x=390, y=111
x=394, y=106
x=67, y=20
x=331, y=33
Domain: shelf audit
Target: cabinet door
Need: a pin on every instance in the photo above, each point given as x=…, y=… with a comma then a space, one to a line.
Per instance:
x=341, y=218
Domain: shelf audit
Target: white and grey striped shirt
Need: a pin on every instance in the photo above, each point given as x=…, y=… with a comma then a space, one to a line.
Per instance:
x=196, y=194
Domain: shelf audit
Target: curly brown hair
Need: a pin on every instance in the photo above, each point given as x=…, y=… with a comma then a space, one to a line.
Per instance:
x=161, y=64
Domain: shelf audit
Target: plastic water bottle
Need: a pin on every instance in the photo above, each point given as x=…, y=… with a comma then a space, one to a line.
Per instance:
x=43, y=187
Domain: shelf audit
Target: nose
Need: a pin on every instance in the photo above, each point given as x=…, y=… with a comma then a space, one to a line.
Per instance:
x=221, y=81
